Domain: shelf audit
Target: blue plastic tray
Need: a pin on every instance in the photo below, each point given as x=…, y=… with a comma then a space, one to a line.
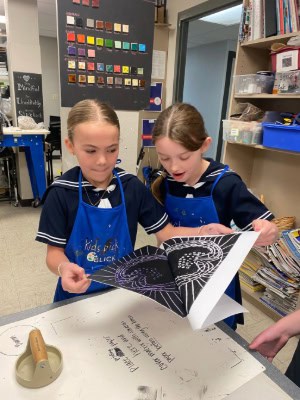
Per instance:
x=285, y=137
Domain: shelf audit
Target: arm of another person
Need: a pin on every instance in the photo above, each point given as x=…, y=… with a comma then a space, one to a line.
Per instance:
x=273, y=339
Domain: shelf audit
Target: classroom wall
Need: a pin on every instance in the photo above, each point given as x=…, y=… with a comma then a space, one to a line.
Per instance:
x=204, y=84
x=175, y=7
x=50, y=79
x=128, y=119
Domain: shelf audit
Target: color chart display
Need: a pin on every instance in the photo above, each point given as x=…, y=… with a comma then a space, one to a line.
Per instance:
x=105, y=51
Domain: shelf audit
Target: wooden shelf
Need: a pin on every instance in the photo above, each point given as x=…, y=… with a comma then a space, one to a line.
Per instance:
x=267, y=96
x=261, y=147
x=266, y=43
x=162, y=24
x=253, y=298
x=268, y=171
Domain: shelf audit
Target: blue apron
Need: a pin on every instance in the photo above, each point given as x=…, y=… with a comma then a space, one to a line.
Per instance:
x=99, y=237
x=198, y=211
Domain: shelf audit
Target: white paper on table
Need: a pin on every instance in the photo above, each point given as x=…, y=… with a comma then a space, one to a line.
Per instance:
x=116, y=344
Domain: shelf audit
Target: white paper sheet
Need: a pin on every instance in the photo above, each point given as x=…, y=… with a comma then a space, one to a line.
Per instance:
x=211, y=305
x=158, y=64
x=121, y=345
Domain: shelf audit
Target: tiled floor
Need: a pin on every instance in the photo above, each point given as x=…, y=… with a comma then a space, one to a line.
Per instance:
x=25, y=281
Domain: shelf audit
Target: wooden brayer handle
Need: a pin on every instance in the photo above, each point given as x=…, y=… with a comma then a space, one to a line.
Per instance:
x=37, y=345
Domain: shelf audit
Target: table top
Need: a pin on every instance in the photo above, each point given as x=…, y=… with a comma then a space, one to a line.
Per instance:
x=269, y=385
x=14, y=130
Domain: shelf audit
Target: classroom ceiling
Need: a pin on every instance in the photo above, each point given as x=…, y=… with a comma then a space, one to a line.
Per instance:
x=200, y=32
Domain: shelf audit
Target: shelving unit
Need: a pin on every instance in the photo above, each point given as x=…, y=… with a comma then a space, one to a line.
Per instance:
x=271, y=172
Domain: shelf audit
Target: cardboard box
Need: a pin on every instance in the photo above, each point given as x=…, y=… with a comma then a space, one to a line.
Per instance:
x=287, y=59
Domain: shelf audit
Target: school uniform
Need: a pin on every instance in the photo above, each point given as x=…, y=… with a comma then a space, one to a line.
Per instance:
x=220, y=196
x=94, y=237
x=293, y=371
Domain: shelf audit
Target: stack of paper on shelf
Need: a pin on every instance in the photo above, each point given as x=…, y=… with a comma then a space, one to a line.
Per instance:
x=248, y=269
x=280, y=272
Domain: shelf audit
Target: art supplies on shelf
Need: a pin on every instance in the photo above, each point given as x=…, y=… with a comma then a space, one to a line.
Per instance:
x=253, y=83
x=287, y=82
x=259, y=165
x=242, y=132
x=187, y=275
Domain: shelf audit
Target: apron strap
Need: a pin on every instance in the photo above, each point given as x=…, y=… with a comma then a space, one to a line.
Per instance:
x=120, y=185
x=218, y=178
x=80, y=186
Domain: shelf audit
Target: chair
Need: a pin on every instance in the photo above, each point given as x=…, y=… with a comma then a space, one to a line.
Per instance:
x=52, y=143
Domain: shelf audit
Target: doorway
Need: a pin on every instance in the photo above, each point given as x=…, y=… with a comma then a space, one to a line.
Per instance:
x=205, y=56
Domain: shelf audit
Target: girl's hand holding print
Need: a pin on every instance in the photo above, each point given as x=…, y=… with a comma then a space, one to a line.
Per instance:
x=269, y=232
x=73, y=278
x=214, y=229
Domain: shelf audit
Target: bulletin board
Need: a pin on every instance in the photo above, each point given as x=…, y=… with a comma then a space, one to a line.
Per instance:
x=105, y=51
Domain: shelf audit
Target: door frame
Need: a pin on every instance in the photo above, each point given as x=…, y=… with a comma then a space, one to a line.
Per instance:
x=231, y=55
x=183, y=20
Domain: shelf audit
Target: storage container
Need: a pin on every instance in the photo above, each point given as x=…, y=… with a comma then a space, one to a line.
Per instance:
x=287, y=59
x=242, y=132
x=253, y=84
x=287, y=82
x=285, y=137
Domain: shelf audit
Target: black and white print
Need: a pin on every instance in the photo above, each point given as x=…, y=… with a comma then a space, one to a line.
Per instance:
x=175, y=276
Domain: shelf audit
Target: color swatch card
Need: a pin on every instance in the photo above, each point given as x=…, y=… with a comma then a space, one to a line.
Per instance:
x=113, y=44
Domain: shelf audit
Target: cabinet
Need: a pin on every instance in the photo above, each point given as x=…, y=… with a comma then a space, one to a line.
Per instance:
x=273, y=173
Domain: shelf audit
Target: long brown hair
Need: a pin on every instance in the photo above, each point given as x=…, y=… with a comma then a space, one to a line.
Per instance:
x=90, y=110
x=182, y=123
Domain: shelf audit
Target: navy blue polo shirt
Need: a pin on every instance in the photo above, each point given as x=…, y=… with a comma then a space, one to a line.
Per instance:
x=232, y=199
x=60, y=203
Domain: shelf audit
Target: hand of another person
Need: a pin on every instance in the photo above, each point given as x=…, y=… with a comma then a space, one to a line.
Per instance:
x=269, y=232
x=214, y=229
x=269, y=342
x=73, y=278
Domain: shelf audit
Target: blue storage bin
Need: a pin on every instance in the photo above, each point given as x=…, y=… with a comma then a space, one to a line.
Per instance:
x=285, y=137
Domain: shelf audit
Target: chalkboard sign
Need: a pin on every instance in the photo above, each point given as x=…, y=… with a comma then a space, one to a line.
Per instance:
x=29, y=95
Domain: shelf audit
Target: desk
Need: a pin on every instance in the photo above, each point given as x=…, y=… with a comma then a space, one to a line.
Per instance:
x=33, y=142
x=78, y=380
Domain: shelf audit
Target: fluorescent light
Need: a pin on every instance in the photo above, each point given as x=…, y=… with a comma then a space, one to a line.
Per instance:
x=230, y=16
x=2, y=19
